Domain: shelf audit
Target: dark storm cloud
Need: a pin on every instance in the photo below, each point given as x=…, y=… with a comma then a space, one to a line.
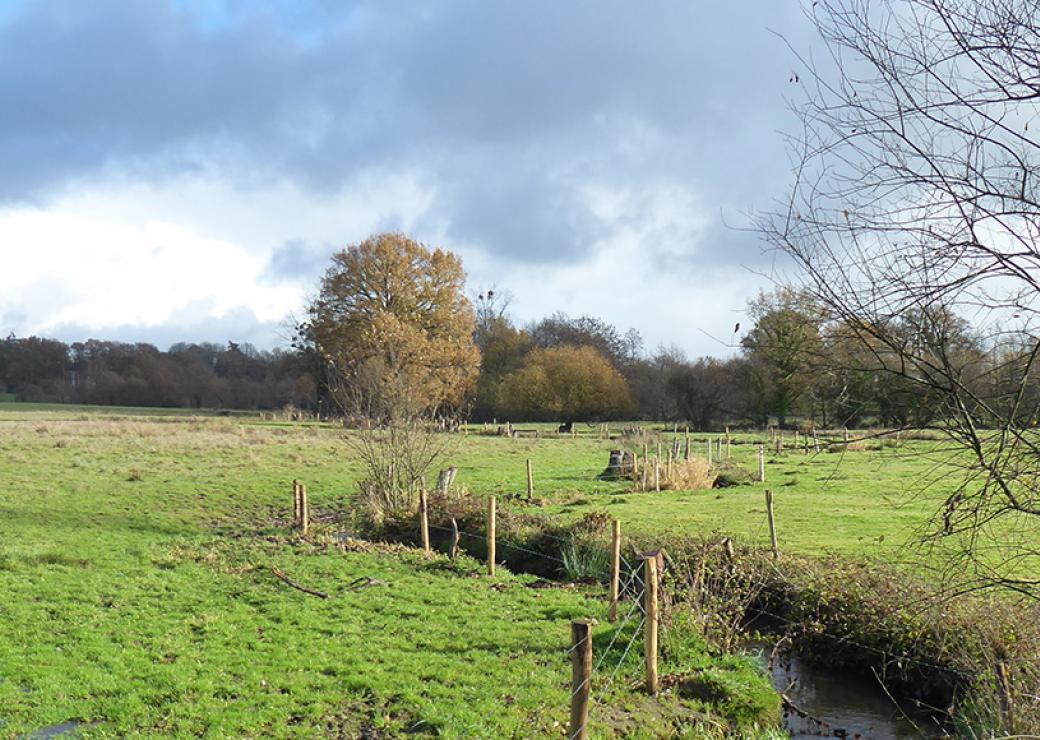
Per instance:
x=509, y=112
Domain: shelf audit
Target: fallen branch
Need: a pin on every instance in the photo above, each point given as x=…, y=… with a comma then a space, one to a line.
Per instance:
x=282, y=577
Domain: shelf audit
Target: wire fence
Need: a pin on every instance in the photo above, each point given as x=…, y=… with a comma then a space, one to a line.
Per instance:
x=631, y=586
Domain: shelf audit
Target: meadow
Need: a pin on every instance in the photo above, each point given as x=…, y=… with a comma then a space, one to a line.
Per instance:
x=138, y=600
x=136, y=554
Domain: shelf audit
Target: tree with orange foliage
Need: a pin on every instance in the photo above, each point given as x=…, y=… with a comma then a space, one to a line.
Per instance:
x=567, y=383
x=394, y=326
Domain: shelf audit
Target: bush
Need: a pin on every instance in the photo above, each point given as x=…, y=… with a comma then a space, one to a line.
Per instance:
x=731, y=474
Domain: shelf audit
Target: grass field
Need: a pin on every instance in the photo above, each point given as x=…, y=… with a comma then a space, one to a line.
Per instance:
x=135, y=556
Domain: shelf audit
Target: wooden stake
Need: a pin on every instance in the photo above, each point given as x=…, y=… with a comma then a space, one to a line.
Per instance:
x=581, y=678
x=670, y=456
x=657, y=474
x=424, y=521
x=686, y=456
x=815, y=440
x=772, y=523
x=304, y=514
x=761, y=464
x=709, y=452
x=1007, y=704
x=845, y=431
x=530, y=481
x=454, y=552
x=650, y=608
x=296, y=503
x=615, y=567
x=491, y=536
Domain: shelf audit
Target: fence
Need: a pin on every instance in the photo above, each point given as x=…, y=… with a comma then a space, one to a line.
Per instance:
x=632, y=591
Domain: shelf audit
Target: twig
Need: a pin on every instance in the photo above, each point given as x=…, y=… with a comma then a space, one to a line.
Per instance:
x=282, y=577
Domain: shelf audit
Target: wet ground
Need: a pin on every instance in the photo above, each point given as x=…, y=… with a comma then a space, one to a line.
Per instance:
x=835, y=703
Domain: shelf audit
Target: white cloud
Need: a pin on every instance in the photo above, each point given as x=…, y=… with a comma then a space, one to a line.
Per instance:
x=62, y=266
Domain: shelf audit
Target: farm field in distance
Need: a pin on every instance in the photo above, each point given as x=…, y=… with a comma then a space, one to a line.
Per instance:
x=870, y=503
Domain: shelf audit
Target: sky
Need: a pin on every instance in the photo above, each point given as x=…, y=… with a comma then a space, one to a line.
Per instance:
x=182, y=171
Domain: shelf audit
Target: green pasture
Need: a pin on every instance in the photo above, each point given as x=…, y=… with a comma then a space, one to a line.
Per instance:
x=138, y=597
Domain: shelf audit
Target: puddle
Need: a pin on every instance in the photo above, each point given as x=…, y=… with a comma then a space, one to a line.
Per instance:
x=62, y=729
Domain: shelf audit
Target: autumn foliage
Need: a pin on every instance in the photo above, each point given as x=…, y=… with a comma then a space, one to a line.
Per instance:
x=392, y=320
x=565, y=382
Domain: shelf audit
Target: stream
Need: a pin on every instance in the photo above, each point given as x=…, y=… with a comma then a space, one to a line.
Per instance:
x=842, y=703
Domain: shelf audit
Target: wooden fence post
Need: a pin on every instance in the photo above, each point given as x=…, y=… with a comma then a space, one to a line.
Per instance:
x=845, y=433
x=761, y=463
x=581, y=678
x=424, y=520
x=650, y=609
x=1007, y=703
x=295, y=503
x=454, y=552
x=709, y=451
x=304, y=513
x=491, y=536
x=670, y=456
x=657, y=474
x=815, y=440
x=615, y=567
x=686, y=456
x=772, y=523
x=530, y=481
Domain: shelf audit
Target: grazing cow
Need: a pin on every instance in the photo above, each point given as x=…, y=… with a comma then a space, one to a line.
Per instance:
x=565, y=427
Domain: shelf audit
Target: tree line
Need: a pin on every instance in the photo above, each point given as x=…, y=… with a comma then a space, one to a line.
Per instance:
x=234, y=376
x=791, y=364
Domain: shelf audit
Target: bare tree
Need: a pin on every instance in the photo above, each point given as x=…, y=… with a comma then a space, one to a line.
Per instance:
x=397, y=438
x=914, y=211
